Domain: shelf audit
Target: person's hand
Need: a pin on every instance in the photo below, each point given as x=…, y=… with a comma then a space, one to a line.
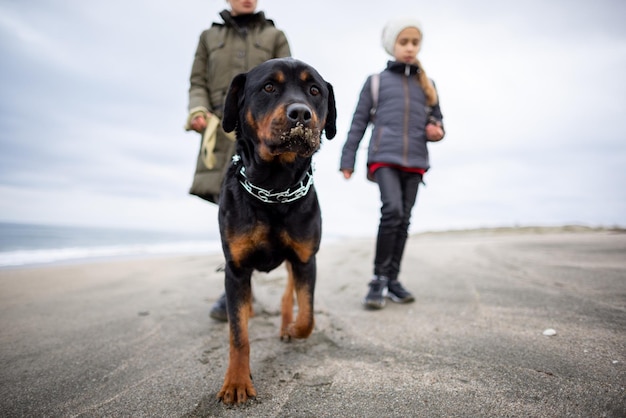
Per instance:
x=434, y=132
x=346, y=173
x=198, y=123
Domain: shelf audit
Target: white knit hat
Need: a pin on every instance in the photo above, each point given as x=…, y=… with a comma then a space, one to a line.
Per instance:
x=393, y=28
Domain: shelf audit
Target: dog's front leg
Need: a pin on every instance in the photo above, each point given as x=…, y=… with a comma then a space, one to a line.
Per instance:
x=301, y=279
x=238, y=385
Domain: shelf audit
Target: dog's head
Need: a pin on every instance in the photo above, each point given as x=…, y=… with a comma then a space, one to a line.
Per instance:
x=283, y=105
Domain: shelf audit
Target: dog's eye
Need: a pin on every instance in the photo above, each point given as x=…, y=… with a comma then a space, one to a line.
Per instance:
x=269, y=88
x=315, y=91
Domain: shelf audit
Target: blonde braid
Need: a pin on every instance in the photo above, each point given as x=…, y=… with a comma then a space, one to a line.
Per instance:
x=427, y=85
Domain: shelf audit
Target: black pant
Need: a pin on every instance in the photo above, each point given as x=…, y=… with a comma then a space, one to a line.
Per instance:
x=398, y=191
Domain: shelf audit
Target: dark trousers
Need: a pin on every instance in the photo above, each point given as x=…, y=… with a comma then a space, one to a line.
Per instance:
x=398, y=192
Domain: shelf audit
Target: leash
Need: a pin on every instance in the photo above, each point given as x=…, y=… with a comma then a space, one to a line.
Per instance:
x=291, y=194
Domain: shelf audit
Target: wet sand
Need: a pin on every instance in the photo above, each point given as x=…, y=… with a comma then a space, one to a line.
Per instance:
x=133, y=338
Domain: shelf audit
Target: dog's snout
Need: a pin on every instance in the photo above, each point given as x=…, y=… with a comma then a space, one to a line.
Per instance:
x=298, y=112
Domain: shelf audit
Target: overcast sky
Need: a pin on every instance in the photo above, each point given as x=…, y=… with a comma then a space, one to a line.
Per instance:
x=93, y=98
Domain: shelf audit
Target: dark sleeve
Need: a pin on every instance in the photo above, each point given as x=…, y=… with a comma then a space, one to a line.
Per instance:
x=360, y=120
x=435, y=112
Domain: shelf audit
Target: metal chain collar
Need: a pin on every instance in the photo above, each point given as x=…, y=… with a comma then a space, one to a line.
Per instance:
x=269, y=196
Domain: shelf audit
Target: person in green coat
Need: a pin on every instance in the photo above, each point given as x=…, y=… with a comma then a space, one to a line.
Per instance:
x=245, y=39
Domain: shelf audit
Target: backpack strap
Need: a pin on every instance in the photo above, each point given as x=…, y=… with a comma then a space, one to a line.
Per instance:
x=375, y=86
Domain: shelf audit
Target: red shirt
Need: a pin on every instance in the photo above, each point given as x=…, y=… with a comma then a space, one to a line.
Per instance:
x=375, y=166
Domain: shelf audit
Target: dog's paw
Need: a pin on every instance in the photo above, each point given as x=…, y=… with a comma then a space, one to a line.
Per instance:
x=237, y=393
x=284, y=333
x=295, y=330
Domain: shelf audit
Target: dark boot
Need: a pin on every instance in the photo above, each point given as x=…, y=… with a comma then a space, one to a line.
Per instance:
x=396, y=256
x=375, y=298
x=397, y=293
x=218, y=310
x=385, y=245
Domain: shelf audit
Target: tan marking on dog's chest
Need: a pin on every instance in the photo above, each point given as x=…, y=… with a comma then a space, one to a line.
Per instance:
x=303, y=249
x=241, y=245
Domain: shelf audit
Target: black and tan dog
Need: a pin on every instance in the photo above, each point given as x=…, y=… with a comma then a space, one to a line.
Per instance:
x=268, y=208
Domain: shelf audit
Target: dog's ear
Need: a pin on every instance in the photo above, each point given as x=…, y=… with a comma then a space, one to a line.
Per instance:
x=331, y=118
x=231, y=103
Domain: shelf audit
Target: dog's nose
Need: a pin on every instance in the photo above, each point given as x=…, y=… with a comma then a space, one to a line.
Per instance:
x=298, y=112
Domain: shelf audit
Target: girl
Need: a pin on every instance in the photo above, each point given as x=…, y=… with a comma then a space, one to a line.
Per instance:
x=407, y=115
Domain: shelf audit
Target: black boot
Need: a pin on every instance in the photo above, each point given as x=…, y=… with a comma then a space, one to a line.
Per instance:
x=218, y=310
x=397, y=293
x=396, y=256
x=375, y=298
x=385, y=245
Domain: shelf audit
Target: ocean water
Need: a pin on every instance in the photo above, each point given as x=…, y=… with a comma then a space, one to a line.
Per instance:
x=30, y=244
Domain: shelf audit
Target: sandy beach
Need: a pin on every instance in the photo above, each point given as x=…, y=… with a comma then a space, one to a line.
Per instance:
x=133, y=337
